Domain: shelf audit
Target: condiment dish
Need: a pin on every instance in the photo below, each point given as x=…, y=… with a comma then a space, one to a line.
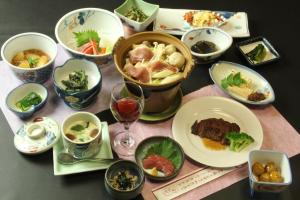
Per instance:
x=247, y=46
x=25, y=41
x=82, y=98
x=135, y=174
x=165, y=147
x=22, y=91
x=150, y=10
x=105, y=23
x=282, y=164
x=218, y=37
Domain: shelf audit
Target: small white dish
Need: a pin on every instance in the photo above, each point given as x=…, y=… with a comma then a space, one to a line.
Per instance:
x=37, y=136
x=104, y=152
x=20, y=92
x=220, y=38
x=280, y=160
x=149, y=9
x=222, y=69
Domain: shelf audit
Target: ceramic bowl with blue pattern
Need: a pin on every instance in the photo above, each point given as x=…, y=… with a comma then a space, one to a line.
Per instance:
x=80, y=99
x=220, y=38
x=108, y=26
x=22, y=91
x=26, y=41
x=113, y=172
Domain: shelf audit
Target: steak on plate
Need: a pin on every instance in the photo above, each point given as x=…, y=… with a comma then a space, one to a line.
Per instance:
x=214, y=129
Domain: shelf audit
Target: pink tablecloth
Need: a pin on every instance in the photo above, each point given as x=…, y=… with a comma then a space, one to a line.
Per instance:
x=279, y=135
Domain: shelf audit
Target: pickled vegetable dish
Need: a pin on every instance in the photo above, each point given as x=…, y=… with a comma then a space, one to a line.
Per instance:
x=82, y=131
x=204, y=47
x=30, y=58
x=31, y=99
x=78, y=81
x=136, y=14
x=154, y=63
x=124, y=180
x=268, y=172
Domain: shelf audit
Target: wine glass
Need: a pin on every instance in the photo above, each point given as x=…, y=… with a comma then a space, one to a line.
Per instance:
x=126, y=105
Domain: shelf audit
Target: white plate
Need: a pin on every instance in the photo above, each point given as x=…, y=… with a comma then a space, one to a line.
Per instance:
x=236, y=22
x=27, y=145
x=215, y=107
x=222, y=69
x=105, y=152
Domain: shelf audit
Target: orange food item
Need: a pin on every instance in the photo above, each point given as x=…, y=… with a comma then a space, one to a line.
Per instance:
x=160, y=163
x=188, y=16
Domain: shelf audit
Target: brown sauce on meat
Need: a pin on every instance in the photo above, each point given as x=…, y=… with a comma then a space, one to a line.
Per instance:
x=214, y=145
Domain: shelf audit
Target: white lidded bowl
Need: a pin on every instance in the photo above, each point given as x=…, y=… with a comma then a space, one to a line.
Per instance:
x=25, y=41
x=106, y=23
x=211, y=34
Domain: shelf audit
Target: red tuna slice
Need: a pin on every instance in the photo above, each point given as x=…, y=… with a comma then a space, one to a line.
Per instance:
x=139, y=54
x=161, y=163
x=139, y=73
x=157, y=66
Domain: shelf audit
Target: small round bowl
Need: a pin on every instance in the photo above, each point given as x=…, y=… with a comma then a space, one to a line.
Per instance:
x=157, y=97
x=25, y=41
x=20, y=92
x=82, y=99
x=151, y=10
x=106, y=23
x=134, y=169
x=85, y=149
x=211, y=34
x=153, y=142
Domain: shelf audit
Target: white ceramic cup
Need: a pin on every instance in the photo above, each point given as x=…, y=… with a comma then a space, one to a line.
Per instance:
x=84, y=149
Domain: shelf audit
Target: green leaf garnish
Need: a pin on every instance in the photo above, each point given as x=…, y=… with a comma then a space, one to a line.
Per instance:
x=77, y=127
x=232, y=80
x=29, y=100
x=84, y=37
x=258, y=53
x=32, y=62
x=167, y=149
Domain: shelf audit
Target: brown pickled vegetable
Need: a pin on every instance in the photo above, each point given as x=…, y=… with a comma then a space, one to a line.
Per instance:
x=267, y=172
x=256, y=96
x=204, y=47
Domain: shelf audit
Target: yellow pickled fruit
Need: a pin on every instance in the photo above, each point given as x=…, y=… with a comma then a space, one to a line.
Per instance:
x=264, y=177
x=258, y=168
x=154, y=171
x=276, y=177
x=270, y=167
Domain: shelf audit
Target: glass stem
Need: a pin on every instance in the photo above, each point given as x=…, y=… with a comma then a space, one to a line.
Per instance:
x=126, y=127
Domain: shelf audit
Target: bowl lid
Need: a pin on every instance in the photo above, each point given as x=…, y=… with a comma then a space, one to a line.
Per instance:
x=37, y=136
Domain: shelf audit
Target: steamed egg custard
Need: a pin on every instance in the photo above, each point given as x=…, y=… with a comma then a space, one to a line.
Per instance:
x=82, y=131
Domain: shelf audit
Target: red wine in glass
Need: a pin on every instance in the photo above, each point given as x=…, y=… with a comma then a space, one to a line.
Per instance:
x=126, y=105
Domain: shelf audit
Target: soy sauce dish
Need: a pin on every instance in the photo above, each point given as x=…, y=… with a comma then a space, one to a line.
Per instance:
x=26, y=99
x=124, y=179
x=160, y=157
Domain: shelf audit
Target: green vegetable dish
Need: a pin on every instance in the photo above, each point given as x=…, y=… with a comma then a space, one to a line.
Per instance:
x=238, y=141
x=136, y=14
x=78, y=81
x=233, y=79
x=257, y=54
x=28, y=101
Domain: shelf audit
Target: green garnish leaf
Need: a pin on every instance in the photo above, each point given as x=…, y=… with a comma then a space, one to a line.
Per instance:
x=77, y=127
x=233, y=80
x=32, y=62
x=167, y=149
x=28, y=101
x=84, y=37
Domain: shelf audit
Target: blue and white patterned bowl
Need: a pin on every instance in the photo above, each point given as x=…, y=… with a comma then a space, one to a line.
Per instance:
x=20, y=92
x=82, y=99
x=25, y=41
x=106, y=23
x=215, y=35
